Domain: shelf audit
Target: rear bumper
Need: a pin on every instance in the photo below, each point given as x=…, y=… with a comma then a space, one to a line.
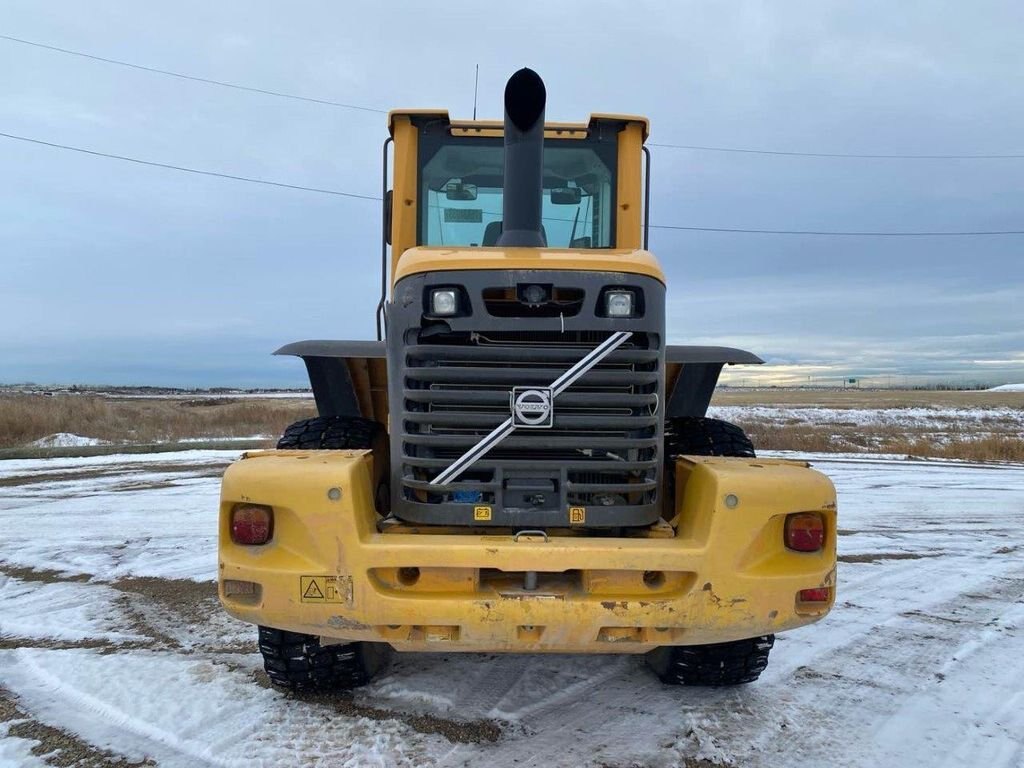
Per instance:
x=721, y=574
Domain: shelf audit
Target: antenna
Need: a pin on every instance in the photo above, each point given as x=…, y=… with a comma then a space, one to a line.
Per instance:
x=476, y=82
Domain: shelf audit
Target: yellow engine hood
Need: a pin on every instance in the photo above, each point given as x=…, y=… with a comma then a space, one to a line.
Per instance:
x=438, y=259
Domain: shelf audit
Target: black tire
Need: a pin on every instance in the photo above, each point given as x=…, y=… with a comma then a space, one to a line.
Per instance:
x=331, y=432
x=297, y=661
x=697, y=436
x=718, y=664
x=300, y=663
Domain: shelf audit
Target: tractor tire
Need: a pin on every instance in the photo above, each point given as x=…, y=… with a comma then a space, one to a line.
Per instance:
x=331, y=432
x=300, y=663
x=297, y=661
x=697, y=436
x=718, y=664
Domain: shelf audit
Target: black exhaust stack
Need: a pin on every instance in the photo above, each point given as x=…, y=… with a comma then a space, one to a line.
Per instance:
x=525, y=97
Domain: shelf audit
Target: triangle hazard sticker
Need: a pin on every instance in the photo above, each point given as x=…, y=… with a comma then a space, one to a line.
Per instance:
x=313, y=592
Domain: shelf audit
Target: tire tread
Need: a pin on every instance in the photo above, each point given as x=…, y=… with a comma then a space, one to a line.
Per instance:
x=714, y=665
x=701, y=436
x=300, y=663
x=330, y=433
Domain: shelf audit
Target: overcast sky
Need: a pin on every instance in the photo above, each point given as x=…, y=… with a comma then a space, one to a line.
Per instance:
x=112, y=272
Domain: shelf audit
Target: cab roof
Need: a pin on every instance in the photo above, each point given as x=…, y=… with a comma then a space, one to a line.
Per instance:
x=496, y=127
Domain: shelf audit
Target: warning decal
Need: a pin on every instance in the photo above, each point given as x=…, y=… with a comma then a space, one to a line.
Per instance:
x=481, y=513
x=313, y=591
x=325, y=589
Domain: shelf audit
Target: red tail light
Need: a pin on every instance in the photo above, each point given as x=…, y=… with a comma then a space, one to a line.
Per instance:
x=251, y=524
x=805, y=532
x=816, y=595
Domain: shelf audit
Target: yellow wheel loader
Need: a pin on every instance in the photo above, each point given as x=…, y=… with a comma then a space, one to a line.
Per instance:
x=520, y=462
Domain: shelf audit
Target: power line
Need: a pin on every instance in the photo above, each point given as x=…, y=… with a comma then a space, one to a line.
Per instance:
x=328, y=102
x=845, y=155
x=340, y=193
x=834, y=233
x=169, y=166
x=208, y=81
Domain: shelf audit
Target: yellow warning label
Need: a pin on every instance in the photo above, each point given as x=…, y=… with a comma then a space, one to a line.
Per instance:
x=481, y=513
x=577, y=515
x=325, y=589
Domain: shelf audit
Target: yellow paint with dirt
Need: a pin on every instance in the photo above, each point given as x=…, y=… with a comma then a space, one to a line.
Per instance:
x=721, y=573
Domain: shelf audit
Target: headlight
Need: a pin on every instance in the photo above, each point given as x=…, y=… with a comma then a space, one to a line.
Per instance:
x=619, y=303
x=444, y=301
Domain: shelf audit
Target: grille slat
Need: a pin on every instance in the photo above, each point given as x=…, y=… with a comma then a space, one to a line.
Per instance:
x=522, y=376
x=571, y=398
x=492, y=418
x=526, y=438
x=491, y=354
x=494, y=460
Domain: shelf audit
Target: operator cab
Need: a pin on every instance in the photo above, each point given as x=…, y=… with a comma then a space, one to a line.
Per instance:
x=449, y=183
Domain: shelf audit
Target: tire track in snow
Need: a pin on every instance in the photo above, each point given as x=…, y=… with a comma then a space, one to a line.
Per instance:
x=871, y=683
x=113, y=715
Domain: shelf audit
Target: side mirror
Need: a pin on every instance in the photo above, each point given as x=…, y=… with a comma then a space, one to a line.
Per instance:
x=566, y=196
x=456, y=190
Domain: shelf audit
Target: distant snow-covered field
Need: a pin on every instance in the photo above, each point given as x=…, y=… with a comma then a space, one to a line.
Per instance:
x=934, y=419
x=918, y=424
x=112, y=644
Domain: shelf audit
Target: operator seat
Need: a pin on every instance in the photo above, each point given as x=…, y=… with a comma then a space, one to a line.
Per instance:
x=493, y=231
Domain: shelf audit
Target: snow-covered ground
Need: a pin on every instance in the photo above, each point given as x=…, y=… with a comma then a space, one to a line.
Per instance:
x=937, y=418
x=1008, y=388
x=112, y=644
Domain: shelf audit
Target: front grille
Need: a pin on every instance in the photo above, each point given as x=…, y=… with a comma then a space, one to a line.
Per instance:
x=602, y=451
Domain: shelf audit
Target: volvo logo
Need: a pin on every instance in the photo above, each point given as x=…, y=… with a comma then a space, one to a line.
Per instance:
x=532, y=408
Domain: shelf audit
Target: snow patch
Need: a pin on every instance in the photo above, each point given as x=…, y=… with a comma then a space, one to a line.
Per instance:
x=221, y=439
x=920, y=418
x=187, y=712
x=16, y=752
x=1007, y=388
x=61, y=611
x=67, y=440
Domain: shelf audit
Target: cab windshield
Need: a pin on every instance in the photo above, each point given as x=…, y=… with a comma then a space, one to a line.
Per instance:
x=461, y=185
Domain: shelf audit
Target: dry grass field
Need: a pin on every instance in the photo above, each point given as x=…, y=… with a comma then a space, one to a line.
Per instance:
x=979, y=426
x=975, y=426
x=25, y=418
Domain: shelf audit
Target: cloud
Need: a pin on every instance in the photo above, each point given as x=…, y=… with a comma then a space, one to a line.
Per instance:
x=100, y=256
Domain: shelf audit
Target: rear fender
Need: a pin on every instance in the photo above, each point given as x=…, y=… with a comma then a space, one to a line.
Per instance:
x=349, y=378
x=691, y=374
